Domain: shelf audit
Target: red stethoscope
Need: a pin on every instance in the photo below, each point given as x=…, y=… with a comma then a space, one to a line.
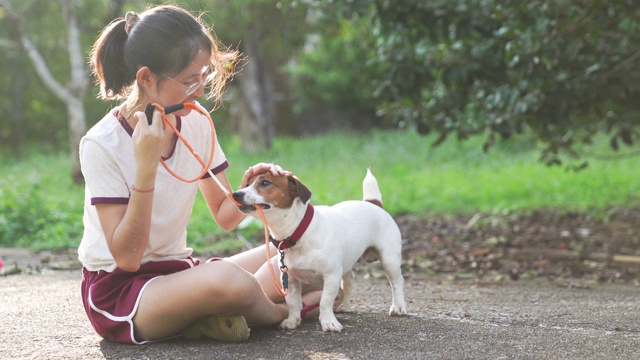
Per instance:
x=206, y=168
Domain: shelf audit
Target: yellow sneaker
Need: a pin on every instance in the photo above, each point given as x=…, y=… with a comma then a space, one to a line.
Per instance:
x=232, y=328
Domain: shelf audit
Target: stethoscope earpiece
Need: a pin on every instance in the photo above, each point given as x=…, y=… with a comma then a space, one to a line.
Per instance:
x=173, y=108
x=149, y=112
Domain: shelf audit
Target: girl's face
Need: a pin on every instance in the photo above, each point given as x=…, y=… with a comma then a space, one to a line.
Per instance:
x=187, y=85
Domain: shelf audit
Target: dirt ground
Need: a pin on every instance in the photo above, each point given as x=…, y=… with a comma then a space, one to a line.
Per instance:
x=573, y=249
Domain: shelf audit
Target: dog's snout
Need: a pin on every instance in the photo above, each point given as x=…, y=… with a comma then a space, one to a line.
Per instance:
x=238, y=195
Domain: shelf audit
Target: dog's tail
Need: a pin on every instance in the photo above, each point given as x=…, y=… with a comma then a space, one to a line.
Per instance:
x=370, y=189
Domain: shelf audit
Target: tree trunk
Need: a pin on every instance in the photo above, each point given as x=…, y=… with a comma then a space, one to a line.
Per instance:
x=18, y=117
x=255, y=115
x=77, y=89
x=77, y=128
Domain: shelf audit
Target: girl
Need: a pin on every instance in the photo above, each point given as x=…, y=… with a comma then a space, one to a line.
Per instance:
x=140, y=282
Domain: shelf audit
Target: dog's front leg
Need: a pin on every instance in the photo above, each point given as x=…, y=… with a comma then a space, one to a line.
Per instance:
x=330, y=290
x=294, y=302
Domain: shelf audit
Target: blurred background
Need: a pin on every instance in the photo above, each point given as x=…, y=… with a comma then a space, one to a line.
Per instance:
x=459, y=106
x=561, y=70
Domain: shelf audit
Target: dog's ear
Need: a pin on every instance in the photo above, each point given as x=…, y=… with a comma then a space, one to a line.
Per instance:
x=299, y=189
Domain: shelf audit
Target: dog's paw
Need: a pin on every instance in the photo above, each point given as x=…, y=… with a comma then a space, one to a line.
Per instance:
x=333, y=326
x=290, y=323
x=341, y=308
x=398, y=310
x=330, y=323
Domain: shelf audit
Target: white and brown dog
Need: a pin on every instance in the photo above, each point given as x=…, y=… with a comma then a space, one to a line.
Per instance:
x=324, y=242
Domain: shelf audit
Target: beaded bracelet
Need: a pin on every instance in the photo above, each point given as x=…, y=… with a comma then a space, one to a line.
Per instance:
x=134, y=188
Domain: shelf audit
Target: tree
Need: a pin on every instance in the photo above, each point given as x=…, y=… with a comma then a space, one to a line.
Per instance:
x=72, y=94
x=564, y=70
x=335, y=68
x=55, y=47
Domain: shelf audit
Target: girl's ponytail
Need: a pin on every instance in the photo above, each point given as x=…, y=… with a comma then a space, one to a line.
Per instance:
x=108, y=62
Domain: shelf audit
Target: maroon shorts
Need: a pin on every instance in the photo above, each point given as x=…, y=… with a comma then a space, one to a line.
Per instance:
x=111, y=298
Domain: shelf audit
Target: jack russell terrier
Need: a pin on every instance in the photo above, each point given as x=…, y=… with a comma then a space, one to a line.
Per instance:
x=322, y=243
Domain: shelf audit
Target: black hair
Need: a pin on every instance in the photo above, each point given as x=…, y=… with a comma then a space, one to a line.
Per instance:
x=165, y=39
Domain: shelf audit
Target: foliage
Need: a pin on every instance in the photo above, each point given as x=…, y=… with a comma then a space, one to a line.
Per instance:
x=335, y=68
x=564, y=69
x=21, y=87
x=29, y=217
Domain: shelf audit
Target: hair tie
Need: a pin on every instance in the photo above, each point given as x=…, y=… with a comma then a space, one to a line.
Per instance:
x=131, y=18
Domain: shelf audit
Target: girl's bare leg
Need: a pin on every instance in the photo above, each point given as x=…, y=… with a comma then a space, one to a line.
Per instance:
x=254, y=261
x=170, y=303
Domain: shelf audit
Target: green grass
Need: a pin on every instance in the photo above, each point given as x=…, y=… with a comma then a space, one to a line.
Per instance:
x=454, y=178
x=40, y=208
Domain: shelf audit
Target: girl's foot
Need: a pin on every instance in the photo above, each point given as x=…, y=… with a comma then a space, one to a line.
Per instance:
x=232, y=328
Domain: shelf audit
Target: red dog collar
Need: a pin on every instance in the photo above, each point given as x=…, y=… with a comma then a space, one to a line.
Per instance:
x=297, y=234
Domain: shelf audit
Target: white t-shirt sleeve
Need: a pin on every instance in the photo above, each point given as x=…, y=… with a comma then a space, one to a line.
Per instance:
x=104, y=178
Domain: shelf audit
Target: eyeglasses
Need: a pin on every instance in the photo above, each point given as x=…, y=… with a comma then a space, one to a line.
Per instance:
x=194, y=86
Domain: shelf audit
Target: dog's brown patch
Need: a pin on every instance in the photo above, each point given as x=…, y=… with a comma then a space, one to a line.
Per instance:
x=375, y=202
x=281, y=190
x=275, y=190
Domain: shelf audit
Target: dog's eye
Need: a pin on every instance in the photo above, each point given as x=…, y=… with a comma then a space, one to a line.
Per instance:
x=265, y=183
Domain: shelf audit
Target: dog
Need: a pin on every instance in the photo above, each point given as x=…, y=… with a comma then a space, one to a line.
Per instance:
x=322, y=243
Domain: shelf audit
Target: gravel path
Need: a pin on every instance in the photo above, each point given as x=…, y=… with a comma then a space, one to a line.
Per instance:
x=42, y=318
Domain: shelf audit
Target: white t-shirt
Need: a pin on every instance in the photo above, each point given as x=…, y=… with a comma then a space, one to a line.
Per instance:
x=109, y=167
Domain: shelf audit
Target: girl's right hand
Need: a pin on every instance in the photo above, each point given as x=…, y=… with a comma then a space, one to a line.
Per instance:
x=148, y=141
x=261, y=168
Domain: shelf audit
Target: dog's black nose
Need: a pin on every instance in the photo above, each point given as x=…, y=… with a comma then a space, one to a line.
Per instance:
x=238, y=196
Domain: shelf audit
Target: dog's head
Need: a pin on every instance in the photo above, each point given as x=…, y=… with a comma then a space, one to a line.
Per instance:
x=270, y=191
